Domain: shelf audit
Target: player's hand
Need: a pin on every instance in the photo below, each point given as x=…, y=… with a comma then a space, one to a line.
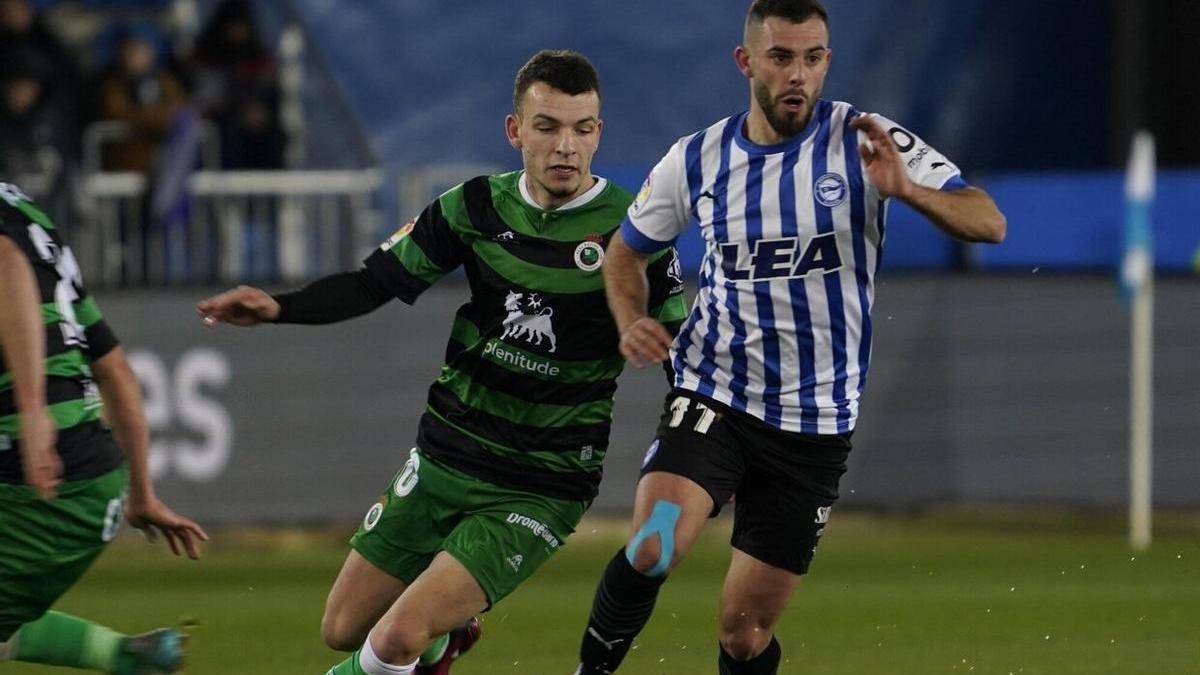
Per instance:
x=882, y=159
x=241, y=306
x=153, y=517
x=39, y=459
x=645, y=341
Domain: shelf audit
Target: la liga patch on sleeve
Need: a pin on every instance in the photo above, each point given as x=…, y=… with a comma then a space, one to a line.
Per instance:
x=399, y=234
x=643, y=195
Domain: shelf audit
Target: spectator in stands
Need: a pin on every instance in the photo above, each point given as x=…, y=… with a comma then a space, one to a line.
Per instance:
x=27, y=124
x=162, y=142
x=36, y=133
x=21, y=27
x=139, y=91
x=237, y=86
x=40, y=115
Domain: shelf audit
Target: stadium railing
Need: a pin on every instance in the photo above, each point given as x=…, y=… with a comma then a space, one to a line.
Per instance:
x=231, y=226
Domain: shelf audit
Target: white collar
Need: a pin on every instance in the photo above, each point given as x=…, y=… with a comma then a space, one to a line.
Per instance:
x=578, y=201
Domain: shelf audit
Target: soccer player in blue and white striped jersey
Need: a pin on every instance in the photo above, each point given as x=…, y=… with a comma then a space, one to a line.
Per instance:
x=790, y=198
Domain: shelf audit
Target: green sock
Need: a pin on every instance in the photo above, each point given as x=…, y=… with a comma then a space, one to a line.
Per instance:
x=348, y=667
x=436, y=651
x=59, y=639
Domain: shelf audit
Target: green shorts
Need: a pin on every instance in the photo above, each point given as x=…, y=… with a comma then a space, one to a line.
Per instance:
x=45, y=546
x=502, y=536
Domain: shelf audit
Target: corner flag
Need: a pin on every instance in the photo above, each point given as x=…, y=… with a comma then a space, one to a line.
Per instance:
x=1138, y=263
x=1137, y=276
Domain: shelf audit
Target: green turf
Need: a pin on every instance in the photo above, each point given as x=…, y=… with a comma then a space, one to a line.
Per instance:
x=887, y=596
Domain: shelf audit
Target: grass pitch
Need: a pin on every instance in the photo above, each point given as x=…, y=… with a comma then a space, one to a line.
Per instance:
x=886, y=596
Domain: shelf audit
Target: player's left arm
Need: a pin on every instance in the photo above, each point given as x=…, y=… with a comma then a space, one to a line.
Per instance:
x=966, y=213
x=123, y=408
x=642, y=338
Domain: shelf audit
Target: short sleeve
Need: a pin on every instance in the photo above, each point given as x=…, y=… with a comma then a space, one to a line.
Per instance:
x=922, y=162
x=100, y=337
x=660, y=212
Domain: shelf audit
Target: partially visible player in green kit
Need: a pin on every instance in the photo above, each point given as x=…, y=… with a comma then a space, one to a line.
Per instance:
x=64, y=484
x=510, y=448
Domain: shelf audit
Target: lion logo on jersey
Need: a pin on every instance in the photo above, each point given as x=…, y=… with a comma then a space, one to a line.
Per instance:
x=528, y=320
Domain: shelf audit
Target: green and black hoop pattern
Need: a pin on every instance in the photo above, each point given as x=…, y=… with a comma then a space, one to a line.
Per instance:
x=76, y=334
x=525, y=395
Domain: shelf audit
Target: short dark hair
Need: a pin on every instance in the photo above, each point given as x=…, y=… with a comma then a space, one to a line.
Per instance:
x=565, y=70
x=796, y=11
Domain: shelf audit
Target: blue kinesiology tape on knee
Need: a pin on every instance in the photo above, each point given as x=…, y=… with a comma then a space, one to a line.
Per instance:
x=662, y=522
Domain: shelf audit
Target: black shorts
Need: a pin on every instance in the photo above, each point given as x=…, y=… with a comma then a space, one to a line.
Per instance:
x=785, y=483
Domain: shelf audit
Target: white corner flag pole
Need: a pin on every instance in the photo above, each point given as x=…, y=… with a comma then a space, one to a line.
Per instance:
x=1137, y=275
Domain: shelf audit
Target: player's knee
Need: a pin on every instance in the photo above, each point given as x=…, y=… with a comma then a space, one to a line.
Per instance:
x=399, y=641
x=644, y=556
x=653, y=550
x=744, y=636
x=341, y=634
x=647, y=558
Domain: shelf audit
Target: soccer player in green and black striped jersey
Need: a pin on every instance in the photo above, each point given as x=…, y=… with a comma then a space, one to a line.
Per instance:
x=64, y=485
x=510, y=447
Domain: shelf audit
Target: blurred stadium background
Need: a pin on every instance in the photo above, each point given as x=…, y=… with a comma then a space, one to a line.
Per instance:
x=272, y=142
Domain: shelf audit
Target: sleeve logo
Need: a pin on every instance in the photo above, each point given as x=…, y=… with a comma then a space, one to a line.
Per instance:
x=643, y=195
x=399, y=234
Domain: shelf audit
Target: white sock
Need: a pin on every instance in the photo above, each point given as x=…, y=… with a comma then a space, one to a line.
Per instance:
x=372, y=665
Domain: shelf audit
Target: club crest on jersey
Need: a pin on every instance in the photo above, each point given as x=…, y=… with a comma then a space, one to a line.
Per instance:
x=589, y=255
x=784, y=258
x=529, y=320
x=830, y=189
x=399, y=234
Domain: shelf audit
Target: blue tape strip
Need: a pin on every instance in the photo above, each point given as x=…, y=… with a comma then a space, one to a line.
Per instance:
x=662, y=522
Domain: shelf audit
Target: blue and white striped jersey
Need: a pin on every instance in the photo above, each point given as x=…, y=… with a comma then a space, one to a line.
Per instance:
x=781, y=326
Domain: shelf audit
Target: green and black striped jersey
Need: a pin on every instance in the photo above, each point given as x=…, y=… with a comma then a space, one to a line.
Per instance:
x=525, y=396
x=76, y=335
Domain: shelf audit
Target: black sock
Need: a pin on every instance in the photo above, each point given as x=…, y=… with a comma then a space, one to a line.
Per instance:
x=622, y=606
x=766, y=663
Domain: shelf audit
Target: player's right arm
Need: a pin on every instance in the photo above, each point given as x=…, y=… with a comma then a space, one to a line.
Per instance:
x=23, y=340
x=241, y=306
x=330, y=299
x=655, y=219
x=643, y=338
x=406, y=264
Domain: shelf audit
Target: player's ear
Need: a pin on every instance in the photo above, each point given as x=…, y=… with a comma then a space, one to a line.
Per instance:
x=512, y=129
x=741, y=58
